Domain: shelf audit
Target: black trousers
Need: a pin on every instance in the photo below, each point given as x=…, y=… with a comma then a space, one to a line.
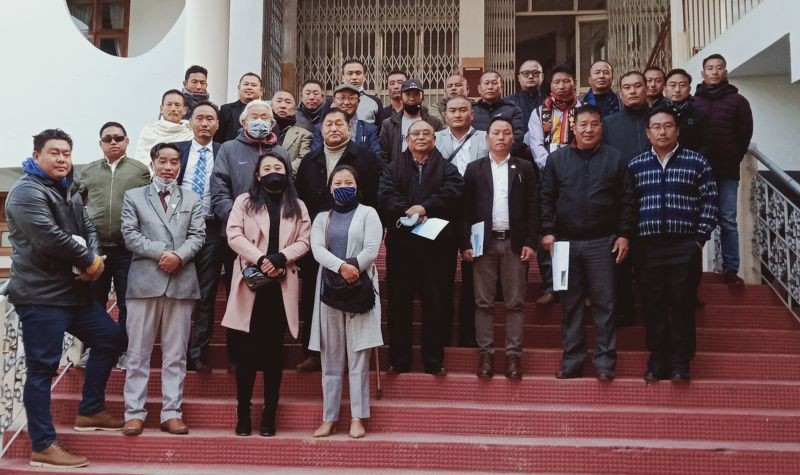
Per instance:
x=417, y=265
x=466, y=307
x=207, y=262
x=624, y=310
x=669, y=290
x=308, y=275
x=544, y=260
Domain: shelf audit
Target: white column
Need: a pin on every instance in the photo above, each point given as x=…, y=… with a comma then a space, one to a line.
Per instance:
x=207, y=23
x=246, y=42
x=678, y=37
x=472, y=28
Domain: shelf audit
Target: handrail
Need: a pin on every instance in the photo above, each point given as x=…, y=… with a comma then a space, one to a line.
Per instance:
x=784, y=177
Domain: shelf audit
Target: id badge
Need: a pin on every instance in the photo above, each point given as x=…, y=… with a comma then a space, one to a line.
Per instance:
x=554, y=147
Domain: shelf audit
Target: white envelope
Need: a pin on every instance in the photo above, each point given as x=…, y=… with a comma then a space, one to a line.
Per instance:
x=430, y=228
x=560, y=265
x=476, y=238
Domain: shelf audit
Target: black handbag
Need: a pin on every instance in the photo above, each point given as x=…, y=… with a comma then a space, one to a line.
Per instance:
x=255, y=278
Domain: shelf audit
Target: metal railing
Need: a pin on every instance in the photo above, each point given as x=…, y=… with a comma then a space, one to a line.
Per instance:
x=705, y=20
x=776, y=233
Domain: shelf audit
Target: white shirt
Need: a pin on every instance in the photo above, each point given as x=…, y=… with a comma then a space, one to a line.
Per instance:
x=113, y=165
x=462, y=158
x=666, y=157
x=188, y=176
x=500, y=219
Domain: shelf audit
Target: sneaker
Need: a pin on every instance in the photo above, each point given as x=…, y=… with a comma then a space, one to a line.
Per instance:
x=731, y=278
x=122, y=362
x=56, y=457
x=100, y=421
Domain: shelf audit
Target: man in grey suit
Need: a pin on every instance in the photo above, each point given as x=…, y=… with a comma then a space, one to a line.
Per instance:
x=163, y=226
x=461, y=144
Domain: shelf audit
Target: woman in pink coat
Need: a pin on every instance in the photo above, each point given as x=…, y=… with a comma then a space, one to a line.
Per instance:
x=268, y=227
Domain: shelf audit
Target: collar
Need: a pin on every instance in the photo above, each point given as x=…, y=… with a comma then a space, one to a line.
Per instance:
x=453, y=137
x=669, y=154
x=195, y=147
x=117, y=162
x=501, y=163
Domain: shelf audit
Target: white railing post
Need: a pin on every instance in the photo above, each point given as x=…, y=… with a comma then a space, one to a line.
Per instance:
x=749, y=262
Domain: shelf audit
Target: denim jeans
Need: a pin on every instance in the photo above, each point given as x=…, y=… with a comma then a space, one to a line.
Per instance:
x=43, y=328
x=729, y=232
x=117, y=265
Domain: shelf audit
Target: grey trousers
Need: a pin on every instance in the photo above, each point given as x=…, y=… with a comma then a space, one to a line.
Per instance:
x=144, y=317
x=336, y=344
x=591, y=274
x=498, y=260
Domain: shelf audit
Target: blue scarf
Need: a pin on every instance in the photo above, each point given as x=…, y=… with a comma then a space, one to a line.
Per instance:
x=30, y=167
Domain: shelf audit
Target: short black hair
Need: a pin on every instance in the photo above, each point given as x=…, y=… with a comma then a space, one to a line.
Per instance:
x=656, y=68
x=632, y=73
x=354, y=61
x=588, y=109
x=715, y=56
x=173, y=91
x=460, y=96
x=160, y=146
x=500, y=118
x=397, y=71
x=195, y=69
x=40, y=139
x=490, y=71
x=335, y=110
x=341, y=167
x=312, y=81
x=563, y=69
x=260, y=82
x=209, y=104
x=602, y=61
x=680, y=71
x=661, y=110
x=112, y=124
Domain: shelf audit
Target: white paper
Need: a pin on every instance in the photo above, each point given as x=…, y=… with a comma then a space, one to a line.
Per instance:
x=560, y=265
x=80, y=240
x=476, y=238
x=430, y=228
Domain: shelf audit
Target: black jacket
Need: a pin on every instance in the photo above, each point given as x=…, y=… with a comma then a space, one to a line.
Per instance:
x=693, y=127
x=626, y=131
x=229, y=124
x=526, y=102
x=307, y=119
x=312, y=177
x=41, y=221
x=523, y=202
x=587, y=198
x=391, y=135
x=483, y=113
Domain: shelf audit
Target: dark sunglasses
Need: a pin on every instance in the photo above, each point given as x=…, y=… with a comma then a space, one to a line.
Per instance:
x=115, y=138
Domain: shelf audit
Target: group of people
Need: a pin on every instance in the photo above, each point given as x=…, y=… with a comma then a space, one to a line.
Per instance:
x=628, y=185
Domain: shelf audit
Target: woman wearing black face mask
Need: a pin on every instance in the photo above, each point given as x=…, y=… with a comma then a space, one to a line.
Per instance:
x=268, y=227
x=345, y=241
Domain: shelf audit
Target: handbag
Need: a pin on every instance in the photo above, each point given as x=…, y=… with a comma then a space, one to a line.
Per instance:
x=255, y=278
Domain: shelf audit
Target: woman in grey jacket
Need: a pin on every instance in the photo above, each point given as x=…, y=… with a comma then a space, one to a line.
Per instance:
x=345, y=240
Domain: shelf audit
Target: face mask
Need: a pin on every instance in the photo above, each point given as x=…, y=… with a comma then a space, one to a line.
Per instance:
x=412, y=109
x=345, y=195
x=274, y=182
x=258, y=128
x=408, y=221
x=163, y=184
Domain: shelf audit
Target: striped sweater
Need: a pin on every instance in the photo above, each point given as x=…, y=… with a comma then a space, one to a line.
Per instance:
x=680, y=199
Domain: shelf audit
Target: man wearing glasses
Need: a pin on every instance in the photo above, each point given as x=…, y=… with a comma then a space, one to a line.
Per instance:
x=103, y=184
x=346, y=98
x=395, y=130
x=529, y=96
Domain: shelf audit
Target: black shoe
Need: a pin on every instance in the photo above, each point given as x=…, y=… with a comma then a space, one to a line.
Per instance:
x=267, y=428
x=244, y=426
x=606, y=375
x=569, y=373
x=485, y=365
x=654, y=376
x=731, y=278
x=196, y=364
x=680, y=376
x=397, y=370
x=437, y=371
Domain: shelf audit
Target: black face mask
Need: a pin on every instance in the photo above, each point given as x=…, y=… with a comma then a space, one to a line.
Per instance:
x=412, y=109
x=274, y=182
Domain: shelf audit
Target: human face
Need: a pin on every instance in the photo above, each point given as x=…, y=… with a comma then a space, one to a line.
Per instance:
x=562, y=85
x=167, y=164
x=393, y=85
x=601, y=77
x=311, y=96
x=342, y=179
x=490, y=88
x=197, y=83
x=55, y=159
x=655, y=83
x=173, y=108
x=335, y=130
x=353, y=74
x=455, y=86
x=530, y=75
x=500, y=138
x=588, y=130
x=714, y=72
x=632, y=90
x=678, y=88
x=347, y=101
x=283, y=104
x=204, y=123
x=113, y=150
x=459, y=114
x=269, y=165
x=662, y=131
x=257, y=112
x=413, y=96
x=420, y=138
x=249, y=89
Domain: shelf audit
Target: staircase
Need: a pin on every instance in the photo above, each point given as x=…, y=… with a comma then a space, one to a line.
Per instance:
x=739, y=415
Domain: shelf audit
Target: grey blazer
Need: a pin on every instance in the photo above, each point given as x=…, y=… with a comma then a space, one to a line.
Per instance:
x=148, y=231
x=477, y=146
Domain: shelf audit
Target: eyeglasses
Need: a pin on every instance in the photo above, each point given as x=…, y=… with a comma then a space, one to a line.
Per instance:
x=659, y=127
x=421, y=133
x=348, y=100
x=530, y=74
x=115, y=138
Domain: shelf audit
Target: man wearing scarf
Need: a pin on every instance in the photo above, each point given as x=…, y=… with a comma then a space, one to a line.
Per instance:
x=171, y=127
x=313, y=105
x=295, y=140
x=730, y=127
x=195, y=88
x=551, y=127
x=601, y=78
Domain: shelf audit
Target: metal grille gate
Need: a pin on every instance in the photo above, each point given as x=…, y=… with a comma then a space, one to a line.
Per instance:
x=416, y=36
x=500, y=41
x=633, y=32
x=271, y=57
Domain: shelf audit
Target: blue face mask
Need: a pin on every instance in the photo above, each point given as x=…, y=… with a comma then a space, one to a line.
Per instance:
x=345, y=195
x=258, y=128
x=408, y=221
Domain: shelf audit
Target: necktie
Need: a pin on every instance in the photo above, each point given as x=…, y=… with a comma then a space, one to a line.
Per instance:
x=199, y=178
x=163, y=196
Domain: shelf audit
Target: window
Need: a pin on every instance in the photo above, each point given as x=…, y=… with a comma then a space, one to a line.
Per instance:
x=103, y=22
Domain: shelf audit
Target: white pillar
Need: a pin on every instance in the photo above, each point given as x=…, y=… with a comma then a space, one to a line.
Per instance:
x=678, y=36
x=245, y=42
x=207, y=23
x=471, y=41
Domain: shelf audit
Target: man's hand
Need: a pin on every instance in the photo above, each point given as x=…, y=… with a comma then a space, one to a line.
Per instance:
x=417, y=209
x=169, y=262
x=527, y=254
x=93, y=272
x=349, y=272
x=468, y=255
x=620, y=248
x=547, y=242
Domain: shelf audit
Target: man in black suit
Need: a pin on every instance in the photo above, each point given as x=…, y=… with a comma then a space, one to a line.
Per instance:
x=250, y=87
x=197, y=162
x=501, y=191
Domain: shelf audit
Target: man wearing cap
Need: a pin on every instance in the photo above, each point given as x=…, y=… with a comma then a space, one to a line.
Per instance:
x=346, y=98
x=395, y=129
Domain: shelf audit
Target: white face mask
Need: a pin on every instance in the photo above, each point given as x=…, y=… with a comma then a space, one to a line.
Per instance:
x=408, y=221
x=259, y=128
x=163, y=184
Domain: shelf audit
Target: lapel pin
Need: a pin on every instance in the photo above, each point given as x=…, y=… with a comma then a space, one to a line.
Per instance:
x=513, y=166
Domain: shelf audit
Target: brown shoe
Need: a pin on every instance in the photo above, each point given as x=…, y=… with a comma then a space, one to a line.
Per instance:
x=547, y=298
x=133, y=427
x=485, y=365
x=174, y=426
x=311, y=364
x=100, y=421
x=56, y=457
x=513, y=367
